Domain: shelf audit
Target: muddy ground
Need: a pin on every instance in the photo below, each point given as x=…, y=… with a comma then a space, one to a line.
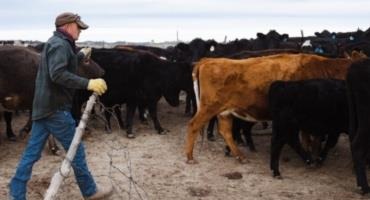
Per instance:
x=152, y=166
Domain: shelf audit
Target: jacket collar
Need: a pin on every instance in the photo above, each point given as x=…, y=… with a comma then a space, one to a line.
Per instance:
x=66, y=36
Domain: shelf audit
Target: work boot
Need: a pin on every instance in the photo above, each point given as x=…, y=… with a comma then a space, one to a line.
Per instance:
x=101, y=193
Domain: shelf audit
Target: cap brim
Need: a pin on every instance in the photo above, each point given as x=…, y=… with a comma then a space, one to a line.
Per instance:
x=82, y=25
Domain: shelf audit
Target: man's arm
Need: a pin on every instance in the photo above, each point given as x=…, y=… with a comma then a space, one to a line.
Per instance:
x=57, y=64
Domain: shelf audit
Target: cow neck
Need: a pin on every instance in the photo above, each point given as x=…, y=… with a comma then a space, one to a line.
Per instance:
x=69, y=38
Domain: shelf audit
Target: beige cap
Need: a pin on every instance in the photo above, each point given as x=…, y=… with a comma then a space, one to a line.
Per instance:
x=69, y=17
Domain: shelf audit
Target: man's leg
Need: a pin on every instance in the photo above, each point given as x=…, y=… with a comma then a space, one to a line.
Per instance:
x=62, y=126
x=32, y=153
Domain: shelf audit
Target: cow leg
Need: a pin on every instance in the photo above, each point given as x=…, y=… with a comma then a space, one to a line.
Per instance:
x=359, y=148
x=130, y=107
x=108, y=126
x=53, y=147
x=236, y=128
x=26, y=128
x=194, y=127
x=359, y=161
x=9, y=130
x=153, y=114
x=358, y=132
x=293, y=141
x=265, y=125
x=117, y=111
x=240, y=128
x=225, y=128
x=316, y=149
x=142, y=114
x=210, y=128
x=188, y=104
x=330, y=143
x=277, y=144
x=306, y=141
x=247, y=132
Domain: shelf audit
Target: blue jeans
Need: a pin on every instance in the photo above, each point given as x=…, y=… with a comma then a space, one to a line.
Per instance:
x=62, y=126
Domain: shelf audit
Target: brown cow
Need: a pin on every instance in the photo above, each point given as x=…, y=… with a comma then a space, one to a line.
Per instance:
x=240, y=87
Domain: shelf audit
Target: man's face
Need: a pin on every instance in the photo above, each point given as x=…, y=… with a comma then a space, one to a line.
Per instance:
x=74, y=30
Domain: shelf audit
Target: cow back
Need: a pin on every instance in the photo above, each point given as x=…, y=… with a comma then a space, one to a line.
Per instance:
x=243, y=84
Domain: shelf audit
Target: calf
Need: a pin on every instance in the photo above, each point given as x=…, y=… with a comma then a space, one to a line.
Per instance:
x=138, y=78
x=318, y=107
x=358, y=81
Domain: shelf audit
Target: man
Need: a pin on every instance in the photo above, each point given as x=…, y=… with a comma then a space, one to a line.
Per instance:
x=55, y=84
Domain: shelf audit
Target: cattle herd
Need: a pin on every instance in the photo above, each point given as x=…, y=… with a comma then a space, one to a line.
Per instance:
x=311, y=88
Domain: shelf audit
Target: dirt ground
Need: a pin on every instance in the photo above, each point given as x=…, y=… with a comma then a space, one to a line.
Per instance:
x=152, y=166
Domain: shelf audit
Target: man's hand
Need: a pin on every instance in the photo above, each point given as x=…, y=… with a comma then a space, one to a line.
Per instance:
x=86, y=51
x=97, y=85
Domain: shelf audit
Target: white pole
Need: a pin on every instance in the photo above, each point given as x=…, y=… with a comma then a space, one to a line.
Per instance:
x=65, y=168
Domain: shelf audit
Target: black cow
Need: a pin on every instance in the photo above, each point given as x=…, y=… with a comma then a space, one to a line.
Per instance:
x=189, y=53
x=230, y=48
x=326, y=34
x=160, y=52
x=18, y=69
x=193, y=51
x=271, y=40
x=138, y=78
x=358, y=81
x=317, y=107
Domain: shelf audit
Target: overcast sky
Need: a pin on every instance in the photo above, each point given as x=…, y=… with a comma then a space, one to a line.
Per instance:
x=161, y=20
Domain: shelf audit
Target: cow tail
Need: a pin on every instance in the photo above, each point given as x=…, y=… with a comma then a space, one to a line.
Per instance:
x=195, y=76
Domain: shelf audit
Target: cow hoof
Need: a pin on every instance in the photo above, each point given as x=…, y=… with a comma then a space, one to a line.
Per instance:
x=319, y=162
x=242, y=160
x=56, y=152
x=278, y=177
x=211, y=138
x=12, y=138
x=88, y=131
x=130, y=135
x=108, y=130
x=23, y=133
x=191, y=162
x=163, y=132
x=308, y=162
x=364, y=190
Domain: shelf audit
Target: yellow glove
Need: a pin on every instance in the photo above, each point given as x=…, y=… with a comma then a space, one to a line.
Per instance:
x=97, y=85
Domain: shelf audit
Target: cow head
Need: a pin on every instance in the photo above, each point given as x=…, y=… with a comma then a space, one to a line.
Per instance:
x=176, y=77
x=171, y=90
x=89, y=69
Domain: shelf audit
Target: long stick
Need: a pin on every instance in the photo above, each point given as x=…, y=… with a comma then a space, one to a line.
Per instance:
x=65, y=168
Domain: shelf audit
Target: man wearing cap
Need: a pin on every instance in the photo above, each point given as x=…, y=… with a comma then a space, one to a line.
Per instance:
x=55, y=84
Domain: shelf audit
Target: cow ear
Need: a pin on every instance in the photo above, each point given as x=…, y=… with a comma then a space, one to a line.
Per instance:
x=356, y=55
x=261, y=36
x=182, y=46
x=346, y=55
